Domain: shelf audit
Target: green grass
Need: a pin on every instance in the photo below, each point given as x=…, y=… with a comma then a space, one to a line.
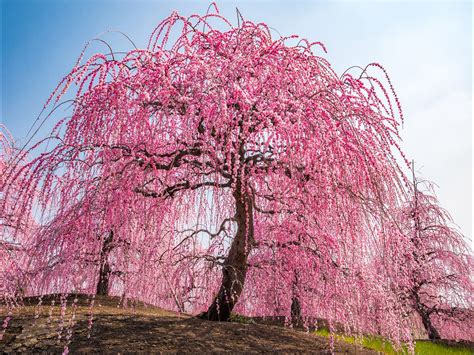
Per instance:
x=238, y=318
x=422, y=347
x=425, y=347
x=374, y=343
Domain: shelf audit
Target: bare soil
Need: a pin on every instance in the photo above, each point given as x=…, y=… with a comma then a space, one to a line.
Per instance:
x=140, y=328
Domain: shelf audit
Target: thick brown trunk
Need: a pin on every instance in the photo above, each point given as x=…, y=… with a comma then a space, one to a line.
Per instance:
x=235, y=265
x=424, y=313
x=295, y=302
x=104, y=268
x=433, y=333
x=295, y=312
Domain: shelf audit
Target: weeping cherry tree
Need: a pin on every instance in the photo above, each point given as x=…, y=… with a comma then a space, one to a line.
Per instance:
x=248, y=152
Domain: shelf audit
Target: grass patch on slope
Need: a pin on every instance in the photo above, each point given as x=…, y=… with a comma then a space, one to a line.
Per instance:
x=422, y=347
x=426, y=347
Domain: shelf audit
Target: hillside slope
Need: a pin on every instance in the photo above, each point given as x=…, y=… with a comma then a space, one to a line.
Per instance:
x=142, y=328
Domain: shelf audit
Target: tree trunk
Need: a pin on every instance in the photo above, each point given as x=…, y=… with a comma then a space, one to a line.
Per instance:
x=235, y=265
x=295, y=312
x=433, y=333
x=104, y=268
x=295, y=302
x=425, y=313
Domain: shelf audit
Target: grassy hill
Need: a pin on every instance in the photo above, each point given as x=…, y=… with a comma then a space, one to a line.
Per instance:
x=144, y=328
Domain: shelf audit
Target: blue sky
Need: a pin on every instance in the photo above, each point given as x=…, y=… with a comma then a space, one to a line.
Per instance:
x=425, y=46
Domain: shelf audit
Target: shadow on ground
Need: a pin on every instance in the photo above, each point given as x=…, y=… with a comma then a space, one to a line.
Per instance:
x=142, y=328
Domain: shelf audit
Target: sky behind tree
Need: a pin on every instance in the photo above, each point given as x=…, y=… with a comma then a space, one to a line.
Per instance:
x=426, y=48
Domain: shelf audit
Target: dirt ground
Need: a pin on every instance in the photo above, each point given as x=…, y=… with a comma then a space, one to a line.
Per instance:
x=141, y=328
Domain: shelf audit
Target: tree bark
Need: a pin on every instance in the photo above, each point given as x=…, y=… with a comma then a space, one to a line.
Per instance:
x=424, y=313
x=235, y=266
x=433, y=333
x=295, y=302
x=104, y=268
x=295, y=312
